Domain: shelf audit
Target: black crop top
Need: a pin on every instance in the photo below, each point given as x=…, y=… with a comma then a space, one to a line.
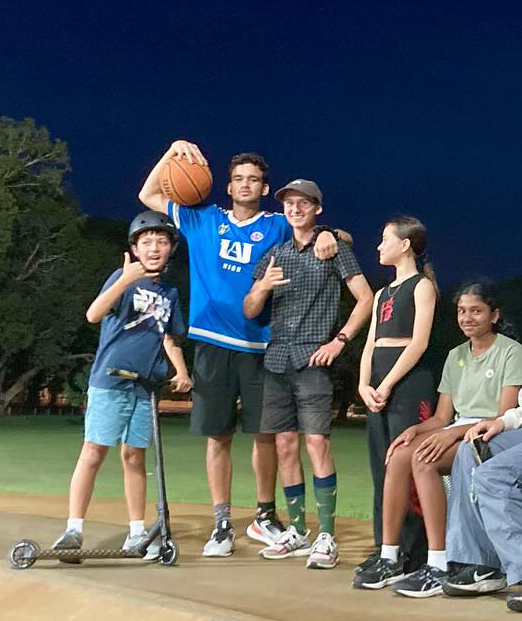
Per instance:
x=396, y=309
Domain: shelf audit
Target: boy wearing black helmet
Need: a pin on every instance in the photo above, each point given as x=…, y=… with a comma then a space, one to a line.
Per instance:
x=140, y=320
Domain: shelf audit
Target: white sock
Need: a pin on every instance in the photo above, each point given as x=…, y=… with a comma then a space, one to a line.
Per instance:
x=390, y=552
x=437, y=558
x=136, y=527
x=75, y=524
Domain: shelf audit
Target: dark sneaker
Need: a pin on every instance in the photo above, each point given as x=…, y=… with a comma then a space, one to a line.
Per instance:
x=475, y=580
x=379, y=575
x=514, y=601
x=69, y=540
x=425, y=582
x=221, y=542
x=368, y=562
x=265, y=528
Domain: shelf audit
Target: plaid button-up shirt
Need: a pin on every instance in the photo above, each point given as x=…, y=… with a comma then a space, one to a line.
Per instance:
x=304, y=311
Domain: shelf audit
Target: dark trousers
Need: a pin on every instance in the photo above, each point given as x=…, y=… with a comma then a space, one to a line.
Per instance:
x=410, y=402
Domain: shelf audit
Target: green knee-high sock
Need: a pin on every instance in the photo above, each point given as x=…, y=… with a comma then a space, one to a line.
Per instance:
x=295, y=501
x=325, y=489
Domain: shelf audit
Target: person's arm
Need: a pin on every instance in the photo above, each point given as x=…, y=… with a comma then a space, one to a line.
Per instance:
x=105, y=301
x=510, y=419
x=181, y=381
x=261, y=290
x=368, y=394
x=359, y=288
x=425, y=299
x=150, y=194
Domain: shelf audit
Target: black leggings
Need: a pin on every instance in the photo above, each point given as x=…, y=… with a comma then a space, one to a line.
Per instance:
x=411, y=401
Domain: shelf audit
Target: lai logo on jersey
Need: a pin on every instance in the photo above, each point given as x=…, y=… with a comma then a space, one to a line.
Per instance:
x=236, y=252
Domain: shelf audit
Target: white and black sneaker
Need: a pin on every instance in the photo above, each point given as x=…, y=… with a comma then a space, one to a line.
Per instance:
x=514, y=601
x=475, y=580
x=379, y=575
x=265, y=528
x=425, y=582
x=221, y=542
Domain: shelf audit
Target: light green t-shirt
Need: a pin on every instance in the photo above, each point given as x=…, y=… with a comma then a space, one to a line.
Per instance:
x=475, y=382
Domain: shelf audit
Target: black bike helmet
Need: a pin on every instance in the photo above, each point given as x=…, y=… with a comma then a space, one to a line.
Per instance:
x=153, y=221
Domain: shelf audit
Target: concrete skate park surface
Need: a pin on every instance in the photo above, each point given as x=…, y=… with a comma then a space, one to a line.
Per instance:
x=242, y=587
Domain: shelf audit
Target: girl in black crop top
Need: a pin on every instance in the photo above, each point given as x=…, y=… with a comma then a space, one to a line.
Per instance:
x=402, y=310
x=395, y=385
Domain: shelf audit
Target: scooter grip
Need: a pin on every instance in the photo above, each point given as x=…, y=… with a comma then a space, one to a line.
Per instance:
x=123, y=373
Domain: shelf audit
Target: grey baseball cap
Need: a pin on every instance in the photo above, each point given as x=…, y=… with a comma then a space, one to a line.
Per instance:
x=310, y=188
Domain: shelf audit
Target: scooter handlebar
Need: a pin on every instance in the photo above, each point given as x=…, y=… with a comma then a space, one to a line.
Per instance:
x=130, y=375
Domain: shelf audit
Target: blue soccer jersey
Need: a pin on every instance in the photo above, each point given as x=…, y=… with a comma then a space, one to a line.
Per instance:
x=223, y=253
x=132, y=333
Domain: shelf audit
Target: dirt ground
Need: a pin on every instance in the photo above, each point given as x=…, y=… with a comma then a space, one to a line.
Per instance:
x=242, y=587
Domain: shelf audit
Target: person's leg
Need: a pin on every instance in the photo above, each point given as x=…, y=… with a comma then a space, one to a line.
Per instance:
x=291, y=474
x=279, y=417
x=389, y=568
x=266, y=526
x=428, y=480
x=498, y=487
x=214, y=416
x=313, y=394
x=411, y=403
x=489, y=504
x=134, y=480
x=82, y=482
x=105, y=420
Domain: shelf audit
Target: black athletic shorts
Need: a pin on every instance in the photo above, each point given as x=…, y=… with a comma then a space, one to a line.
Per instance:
x=220, y=376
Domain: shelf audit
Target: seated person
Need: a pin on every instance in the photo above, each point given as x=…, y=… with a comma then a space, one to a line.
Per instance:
x=487, y=499
x=480, y=380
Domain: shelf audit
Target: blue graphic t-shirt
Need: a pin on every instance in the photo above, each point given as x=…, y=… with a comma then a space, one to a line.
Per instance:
x=132, y=333
x=223, y=253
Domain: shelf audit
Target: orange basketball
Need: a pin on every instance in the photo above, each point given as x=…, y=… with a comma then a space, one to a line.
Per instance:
x=185, y=183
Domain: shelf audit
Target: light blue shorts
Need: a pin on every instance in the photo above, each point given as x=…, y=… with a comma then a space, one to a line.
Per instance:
x=115, y=416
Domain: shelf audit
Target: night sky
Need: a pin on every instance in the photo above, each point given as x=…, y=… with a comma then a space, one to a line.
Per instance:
x=391, y=106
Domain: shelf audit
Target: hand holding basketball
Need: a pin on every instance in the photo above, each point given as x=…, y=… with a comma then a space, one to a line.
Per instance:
x=185, y=177
x=191, y=151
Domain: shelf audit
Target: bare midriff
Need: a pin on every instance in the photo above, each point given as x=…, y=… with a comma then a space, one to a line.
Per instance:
x=393, y=341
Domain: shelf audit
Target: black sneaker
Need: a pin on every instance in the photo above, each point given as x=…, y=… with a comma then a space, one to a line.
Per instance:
x=514, y=601
x=368, y=562
x=475, y=580
x=380, y=574
x=425, y=582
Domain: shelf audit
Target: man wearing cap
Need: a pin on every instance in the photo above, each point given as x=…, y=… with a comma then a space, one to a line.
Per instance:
x=297, y=398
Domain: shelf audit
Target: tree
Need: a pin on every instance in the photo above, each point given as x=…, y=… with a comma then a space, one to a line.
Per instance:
x=43, y=296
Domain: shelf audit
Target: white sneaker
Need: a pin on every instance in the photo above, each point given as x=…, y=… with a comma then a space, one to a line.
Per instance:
x=289, y=543
x=221, y=542
x=136, y=541
x=324, y=553
x=265, y=529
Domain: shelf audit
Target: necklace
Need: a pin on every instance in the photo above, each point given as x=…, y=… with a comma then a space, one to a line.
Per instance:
x=390, y=295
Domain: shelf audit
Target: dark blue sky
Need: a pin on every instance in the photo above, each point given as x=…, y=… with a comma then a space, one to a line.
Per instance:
x=391, y=106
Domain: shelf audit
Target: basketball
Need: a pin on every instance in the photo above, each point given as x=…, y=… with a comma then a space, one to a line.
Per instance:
x=185, y=183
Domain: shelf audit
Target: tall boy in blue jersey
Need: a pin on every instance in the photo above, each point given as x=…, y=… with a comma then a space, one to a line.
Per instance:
x=224, y=246
x=140, y=320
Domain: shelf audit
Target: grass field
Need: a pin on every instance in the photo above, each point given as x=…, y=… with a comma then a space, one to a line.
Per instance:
x=38, y=454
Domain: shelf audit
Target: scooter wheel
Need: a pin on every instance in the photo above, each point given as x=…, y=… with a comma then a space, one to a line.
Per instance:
x=24, y=554
x=169, y=554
